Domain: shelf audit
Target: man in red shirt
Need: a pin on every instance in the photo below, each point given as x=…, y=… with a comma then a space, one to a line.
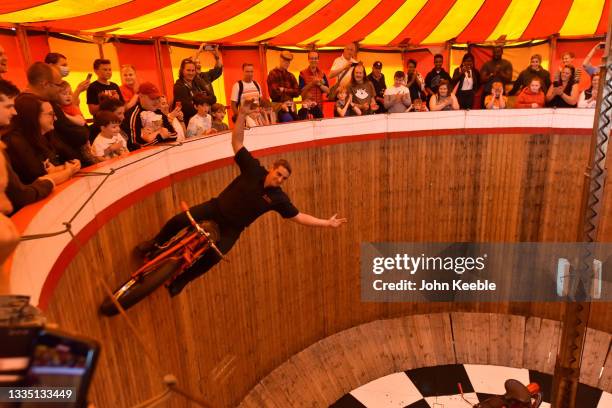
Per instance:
x=313, y=81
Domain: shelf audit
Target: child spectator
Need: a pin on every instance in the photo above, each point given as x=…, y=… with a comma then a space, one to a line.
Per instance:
x=129, y=85
x=310, y=110
x=267, y=112
x=109, y=143
x=418, y=106
x=344, y=104
x=531, y=96
x=466, y=81
x=567, y=60
x=285, y=111
x=175, y=117
x=200, y=123
x=72, y=111
x=102, y=86
x=435, y=76
x=443, y=100
x=218, y=113
x=496, y=100
x=397, y=97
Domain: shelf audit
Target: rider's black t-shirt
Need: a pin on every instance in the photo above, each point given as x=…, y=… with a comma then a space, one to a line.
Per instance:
x=245, y=198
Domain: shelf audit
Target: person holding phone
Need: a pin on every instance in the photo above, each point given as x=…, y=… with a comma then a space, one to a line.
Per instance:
x=586, y=64
x=254, y=192
x=564, y=92
x=204, y=80
x=145, y=124
x=466, y=80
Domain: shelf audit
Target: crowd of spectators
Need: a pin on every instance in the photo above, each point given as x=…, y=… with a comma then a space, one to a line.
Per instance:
x=46, y=139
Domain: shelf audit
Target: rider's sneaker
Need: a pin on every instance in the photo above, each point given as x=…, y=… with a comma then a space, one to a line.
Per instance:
x=175, y=287
x=145, y=247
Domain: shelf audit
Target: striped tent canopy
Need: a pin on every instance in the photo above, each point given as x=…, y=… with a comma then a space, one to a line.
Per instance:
x=320, y=22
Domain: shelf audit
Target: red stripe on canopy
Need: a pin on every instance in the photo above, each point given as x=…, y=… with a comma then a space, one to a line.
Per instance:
x=424, y=22
x=315, y=23
x=484, y=22
x=548, y=18
x=369, y=23
x=108, y=17
x=602, y=27
x=10, y=6
x=207, y=17
x=269, y=23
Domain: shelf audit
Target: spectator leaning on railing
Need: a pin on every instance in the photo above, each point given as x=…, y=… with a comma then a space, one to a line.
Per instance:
x=588, y=97
x=443, y=100
x=18, y=193
x=564, y=92
x=29, y=147
x=397, y=98
x=531, y=96
x=145, y=123
x=363, y=91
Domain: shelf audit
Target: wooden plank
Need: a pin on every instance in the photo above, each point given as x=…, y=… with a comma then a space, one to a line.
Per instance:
x=288, y=287
x=593, y=357
x=542, y=339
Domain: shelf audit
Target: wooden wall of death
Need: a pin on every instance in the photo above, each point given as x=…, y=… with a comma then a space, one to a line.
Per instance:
x=288, y=286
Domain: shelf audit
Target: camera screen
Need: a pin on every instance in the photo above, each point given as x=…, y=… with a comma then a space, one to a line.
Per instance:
x=62, y=361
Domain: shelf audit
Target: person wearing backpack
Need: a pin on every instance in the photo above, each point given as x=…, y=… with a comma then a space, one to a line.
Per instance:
x=246, y=89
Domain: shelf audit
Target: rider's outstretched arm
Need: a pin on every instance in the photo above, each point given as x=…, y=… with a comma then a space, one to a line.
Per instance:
x=238, y=132
x=309, y=220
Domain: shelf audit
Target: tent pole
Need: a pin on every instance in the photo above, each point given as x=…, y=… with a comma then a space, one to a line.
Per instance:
x=263, y=63
x=552, y=50
x=160, y=65
x=578, y=304
x=24, y=46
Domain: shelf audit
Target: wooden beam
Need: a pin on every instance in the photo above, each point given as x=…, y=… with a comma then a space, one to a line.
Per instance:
x=263, y=63
x=160, y=65
x=24, y=45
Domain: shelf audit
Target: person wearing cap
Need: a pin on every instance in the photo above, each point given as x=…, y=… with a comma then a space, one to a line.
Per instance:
x=377, y=78
x=281, y=82
x=145, y=123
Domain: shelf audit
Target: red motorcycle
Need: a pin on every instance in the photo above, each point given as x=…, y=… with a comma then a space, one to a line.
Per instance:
x=165, y=264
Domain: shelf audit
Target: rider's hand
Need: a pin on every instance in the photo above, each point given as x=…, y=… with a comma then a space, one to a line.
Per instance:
x=336, y=222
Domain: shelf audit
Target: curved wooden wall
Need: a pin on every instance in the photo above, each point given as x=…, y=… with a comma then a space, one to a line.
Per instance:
x=288, y=286
x=336, y=365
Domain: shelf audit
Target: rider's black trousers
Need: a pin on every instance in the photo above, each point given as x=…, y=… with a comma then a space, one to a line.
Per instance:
x=205, y=211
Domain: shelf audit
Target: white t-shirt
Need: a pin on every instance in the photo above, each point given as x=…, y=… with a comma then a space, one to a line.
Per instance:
x=199, y=125
x=102, y=143
x=402, y=89
x=180, y=133
x=582, y=102
x=339, y=63
x=468, y=82
x=249, y=91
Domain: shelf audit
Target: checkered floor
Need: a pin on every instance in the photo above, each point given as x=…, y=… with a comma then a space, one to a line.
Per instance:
x=436, y=387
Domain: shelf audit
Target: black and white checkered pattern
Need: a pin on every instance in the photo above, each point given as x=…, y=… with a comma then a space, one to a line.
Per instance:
x=436, y=387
